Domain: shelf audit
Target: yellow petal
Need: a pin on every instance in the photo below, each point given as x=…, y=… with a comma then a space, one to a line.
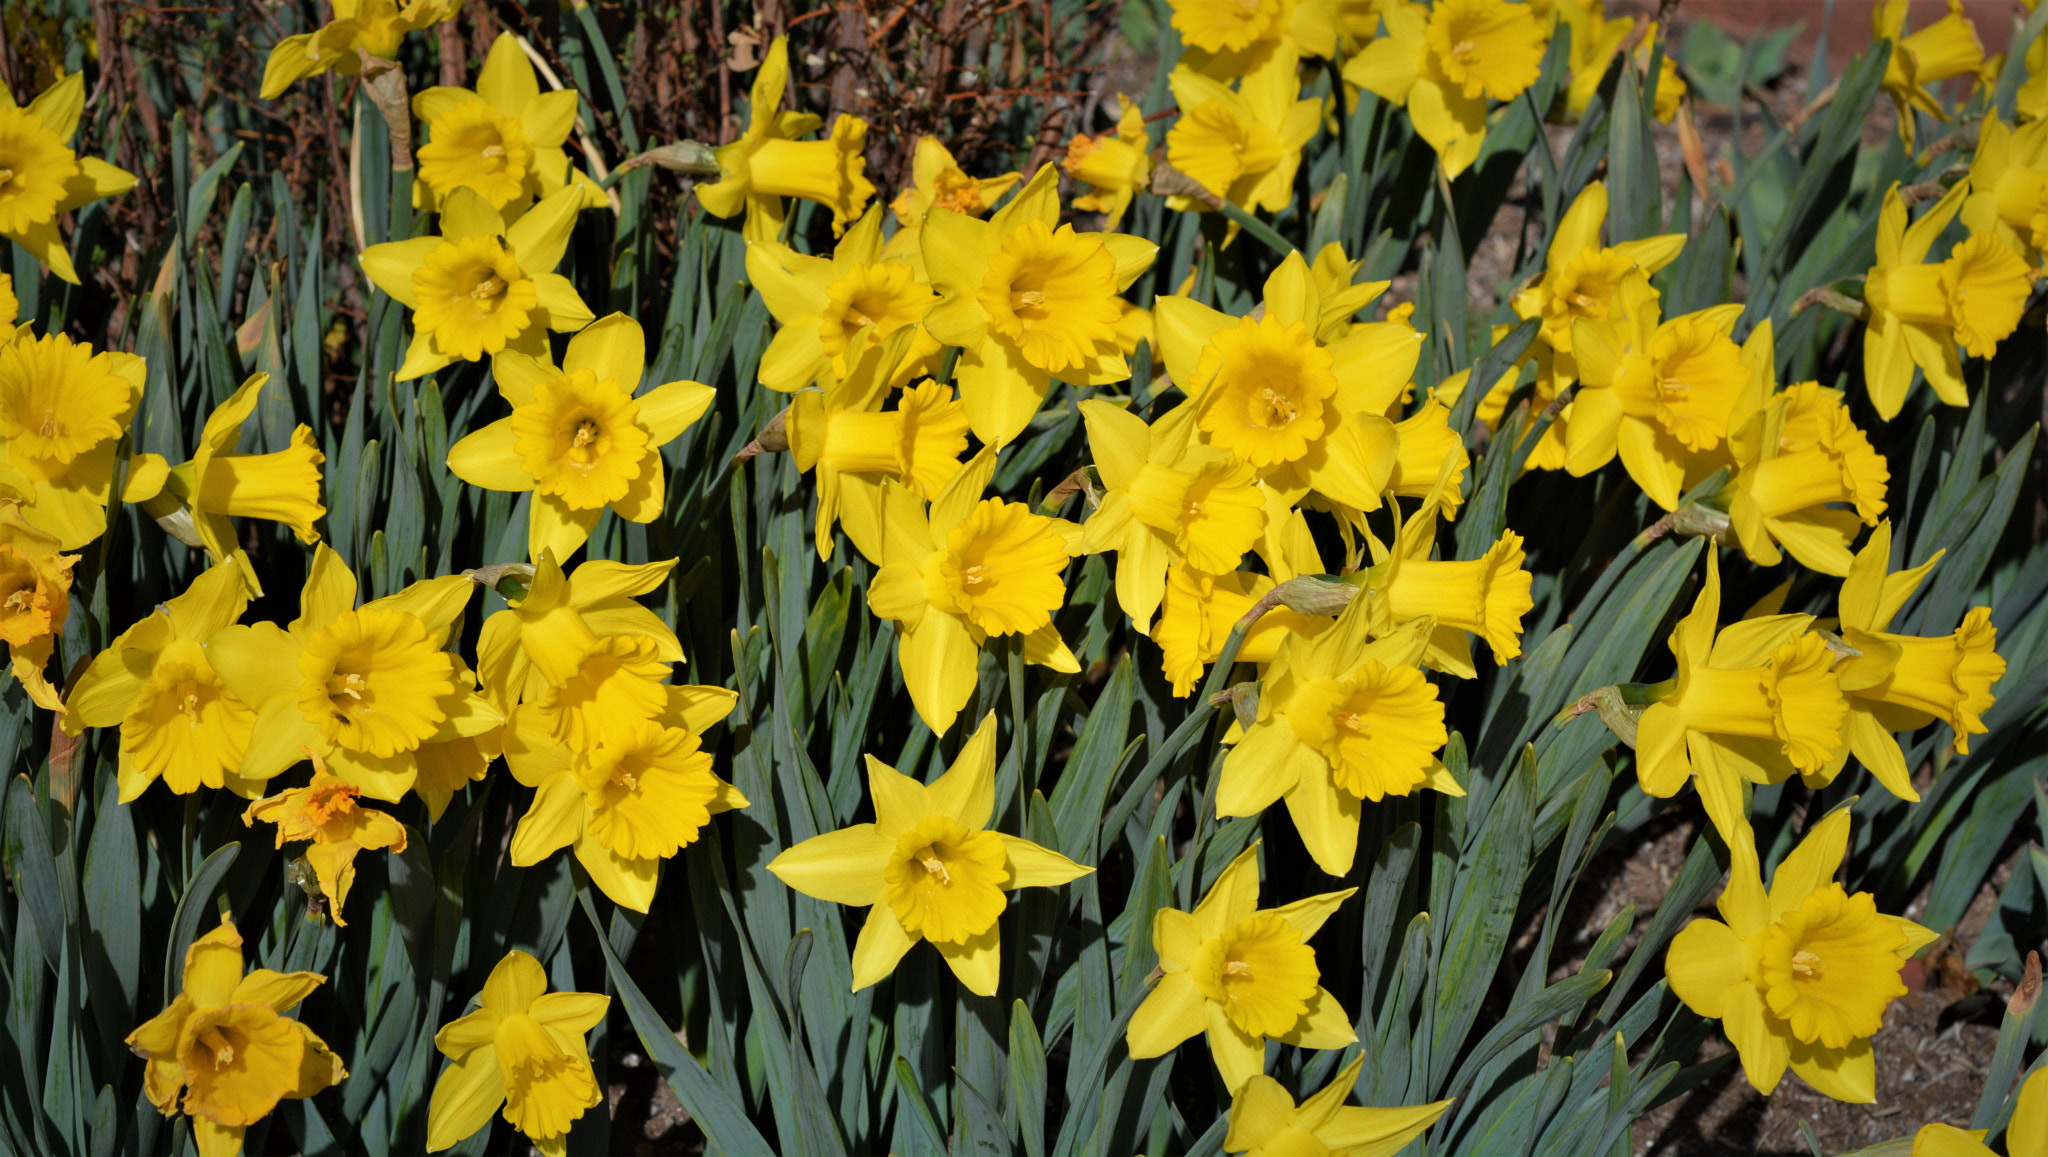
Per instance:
x=1745, y=1021
x=1239, y=1056
x=1169, y=1015
x=279, y=990
x=880, y=947
x=1326, y=818
x=1261, y=1109
x=842, y=867
x=627, y=882
x=470, y=1090
x=1307, y=915
x=612, y=347
x=1811, y=865
x=1705, y=963
x=939, y=660
x=967, y=791
x=507, y=80
x=667, y=411
x=978, y=961
x=552, y=821
x=1846, y=1074
x=1034, y=867
x=488, y=459
x=514, y=984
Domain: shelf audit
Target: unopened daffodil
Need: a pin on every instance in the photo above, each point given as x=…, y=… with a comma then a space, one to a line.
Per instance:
x=1943, y=50
x=927, y=868
x=63, y=409
x=1443, y=62
x=769, y=163
x=829, y=311
x=502, y=141
x=540, y=639
x=1116, y=165
x=325, y=812
x=523, y=1048
x=1265, y=1121
x=375, y=26
x=35, y=600
x=2026, y=1136
x=40, y=176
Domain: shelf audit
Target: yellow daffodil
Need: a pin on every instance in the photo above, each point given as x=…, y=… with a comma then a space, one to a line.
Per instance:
x=1595, y=41
x=1798, y=976
x=369, y=690
x=1340, y=720
x=1904, y=682
x=524, y=1049
x=502, y=141
x=221, y=483
x=1241, y=974
x=63, y=409
x=1166, y=499
x=1920, y=311
x=1304, y=414
x=1443, y=62
x=619, y=681
x=179, y=720
x=936, y=179
x=225, y=1043
x=10, y=306
x=2009, y=185
x=769, y=163
x=1757, y=702
x=831, y=310
x=1425, y=443
x=637, y=797
x=1229, y=39
x=1342, y=295
x=325, y=812
x=1660, y=394
x=961, y=572
x=578, y=436
x=1243, y=146
x=540, y=639
x=482, y=286
x=1583, y=281
x=927, y=868
x=1265, y=1122
x=1116, y=165
x=35, y=599
x=1806, y=479
x=1200, y=608
x=41, y=177
x=375, y=26
x=1945, y=49
x=1027, y=300
x=2026, y=1136
x=2032, y=98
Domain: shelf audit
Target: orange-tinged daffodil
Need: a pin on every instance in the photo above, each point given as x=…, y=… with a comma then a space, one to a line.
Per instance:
x=937, y=179
x=1241, y=974
x=502, y=141
x=1443, y=62
x=225, y=1043
x=63, y=409
x=830, y=311
x=41, y=177
x=539, y=640
x=1265, y=1121
x=769, y=163
x=325, y=812
x=2026, y=1136
x=524, y=1048
x=35, y=599
x=1116, y=165
x=375, y=26
x=1244, y=145
x=928, y=868
x=1798, y=976
x=579, y=436
x=1943, y=50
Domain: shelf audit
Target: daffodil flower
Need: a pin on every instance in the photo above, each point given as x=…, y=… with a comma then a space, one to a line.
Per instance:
x=1027, y=300
x=35, y=599
x=10, y=306
x=1340, y=720
x=1806, y=478
x=539, y=639
x=2025, y=1136
x=1116, y=165
x=1245, y=145
x=1425, y=444
x=41, y=177
x=325, y=812
x=1905, y=682
x=1166, y=499
x=927, y=868
x=1228, y=39
x=1920, y=311
x=961, y=572
x=502, y=141
x=830, y=310
x=937, y=179
x=375, y=26
x=1756, y=702
x=578, y=436
x=369, y=690
x=1265, y=1121
x=63, y=409
x=523, y=1049
x=636, y=797
x=1199, y=608
x=1582, y=281
x=1945, y=49
x=1595, y=41
x=1242, y=974
x=769, y=163
x=225, y=1043
x=1800, y=976
x=1342, y=296
x=2009, y=186
x=156, y=681
x=1444, y=61
x=483, y=286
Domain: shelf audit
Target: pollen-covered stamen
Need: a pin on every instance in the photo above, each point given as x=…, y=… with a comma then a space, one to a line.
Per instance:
x=1272, y=409
x=216, y=1042
x=974, y=576
x=1237, y=968
x=1808, y=966
x=51, y=427
x=936, y=867
x=493, y=151
x=1675, y=389
x=6, y=175
x=488, y=288
x=349, y=684
x=1464, y=51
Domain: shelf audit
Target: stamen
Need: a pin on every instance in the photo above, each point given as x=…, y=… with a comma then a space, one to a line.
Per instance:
x=488, y=288
x=936, y=867
x=51, y=427
x=6, y=175
x=493, y=151
x=216, y=1042
x=1463, y=51
x=1808, y=966
x=1272, y=409
x=1675, y=389
x=1237, y=968
x=1027, y=299
x=351, y=685
x=973, y=576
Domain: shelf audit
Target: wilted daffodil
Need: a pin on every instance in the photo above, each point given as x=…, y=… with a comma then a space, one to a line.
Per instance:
x=1806, y=479
x=225, y=1043
x=1920, y=311
x=829, y=310
x=1116, y=165
x=961, y=572
x=937, y=179
x=1340, y=720
x=502, y=142
x=2009, y=185
x=2026, y=1136
x=1799, y=976
x=179, y=720
x=325, y=812
x=35, y=599
x=63, y=409
x=1943, y=50
x=1265, y=1122
x=375, y=26
x=482, y=286
x=1028, y=300
x=524, y=1049
x=1443, y=62
x=1242, y=975
x=369, y=690
x=540, y=639
x=1243, y=146
x=633, y=799
x=927, y=868
x=768, y=163
x=44, y=177
x=1905, y=682
x=1758, y=701
x=1166, y=499
x=578, y=436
